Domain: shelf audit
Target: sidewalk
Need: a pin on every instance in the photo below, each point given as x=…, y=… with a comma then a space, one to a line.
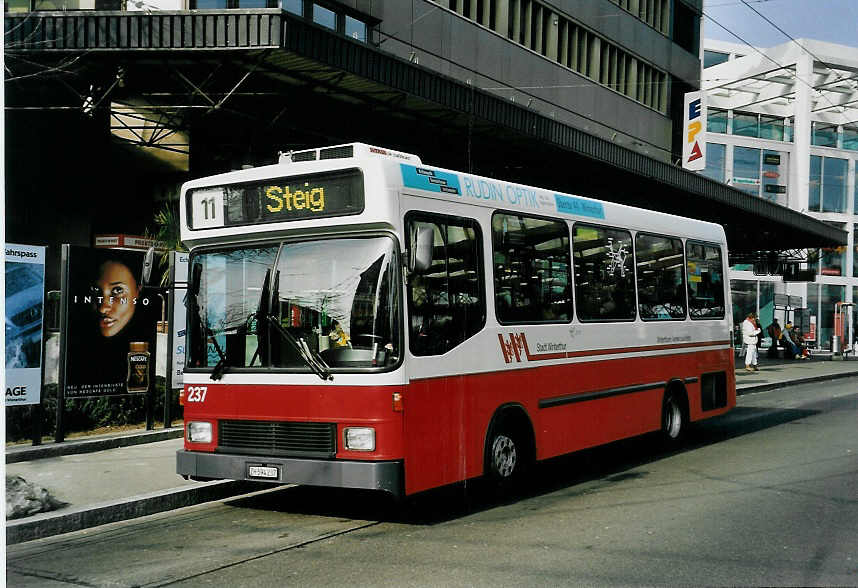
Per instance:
x=124, y=476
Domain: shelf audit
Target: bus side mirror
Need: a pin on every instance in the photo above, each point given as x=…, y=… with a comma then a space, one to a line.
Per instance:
x=422, y=249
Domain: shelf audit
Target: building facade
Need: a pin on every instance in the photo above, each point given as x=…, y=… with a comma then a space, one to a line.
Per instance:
x=782, y=124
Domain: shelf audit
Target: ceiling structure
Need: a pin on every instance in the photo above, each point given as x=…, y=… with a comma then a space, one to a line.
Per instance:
x=769, y=82
x=207, y=87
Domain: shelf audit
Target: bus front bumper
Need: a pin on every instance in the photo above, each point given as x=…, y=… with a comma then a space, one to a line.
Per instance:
x=368, y=475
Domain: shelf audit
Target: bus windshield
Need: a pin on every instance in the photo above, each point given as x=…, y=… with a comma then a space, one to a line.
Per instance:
x=337, y=296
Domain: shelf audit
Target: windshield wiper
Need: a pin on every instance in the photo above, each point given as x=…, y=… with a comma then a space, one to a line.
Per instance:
x=311, y=358
x=196, y=312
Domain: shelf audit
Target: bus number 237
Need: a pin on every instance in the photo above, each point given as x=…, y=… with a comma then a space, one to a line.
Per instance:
x=197, y=393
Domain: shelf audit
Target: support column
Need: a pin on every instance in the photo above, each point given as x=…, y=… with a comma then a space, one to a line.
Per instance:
x=552, y=35
x=502, y=17
x=799, y=197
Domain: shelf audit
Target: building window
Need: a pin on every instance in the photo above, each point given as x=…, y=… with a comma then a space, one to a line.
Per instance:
x=711, y=58
x=746, y=170
x=829, y=294
x=855, y=205
x=356, y=29
x=743, y=295
x=293, y=6
x=828, y=184
x=774, y=176
x=716, y=158
x=833, y=258
x=325, y=17
x=746, y=125
x=604, y=275
x=536, y=27
x=771, y=127
x=855, y=261
x=850, y=138
x=532, y=269
x=824, y=135
x=716, y=121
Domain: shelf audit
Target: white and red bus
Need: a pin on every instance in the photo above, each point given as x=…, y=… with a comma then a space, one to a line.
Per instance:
x=361, y=320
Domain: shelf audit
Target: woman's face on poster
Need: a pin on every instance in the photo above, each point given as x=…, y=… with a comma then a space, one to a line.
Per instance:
x=114, y=297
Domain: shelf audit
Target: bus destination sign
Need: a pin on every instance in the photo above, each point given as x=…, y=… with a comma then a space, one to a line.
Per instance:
x=277, y=200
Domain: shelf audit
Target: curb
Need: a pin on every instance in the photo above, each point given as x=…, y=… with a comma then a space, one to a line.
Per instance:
x=29, y=453
x=786, y=383
x=84, y=517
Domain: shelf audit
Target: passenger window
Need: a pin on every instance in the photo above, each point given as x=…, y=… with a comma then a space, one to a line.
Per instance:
x=705, y=281
x=531, y=269
x=446, y=303
x=661, y=279
x=604, y=276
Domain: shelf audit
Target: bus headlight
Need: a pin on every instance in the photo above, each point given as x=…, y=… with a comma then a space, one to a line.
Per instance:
x=199, y=432
x=360, y=439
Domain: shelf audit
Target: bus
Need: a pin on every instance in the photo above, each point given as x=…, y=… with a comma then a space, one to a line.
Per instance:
x=358, y=319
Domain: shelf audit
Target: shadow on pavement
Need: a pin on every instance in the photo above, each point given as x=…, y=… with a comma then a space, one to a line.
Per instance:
x=610, y=463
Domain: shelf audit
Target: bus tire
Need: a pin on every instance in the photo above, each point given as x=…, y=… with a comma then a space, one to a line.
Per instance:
x=509, y=449
x=674, y=416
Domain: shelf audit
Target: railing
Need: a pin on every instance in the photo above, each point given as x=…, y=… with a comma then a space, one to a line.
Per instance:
x=105, y=31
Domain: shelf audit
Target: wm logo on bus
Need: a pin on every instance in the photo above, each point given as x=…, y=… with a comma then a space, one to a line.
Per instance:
x=514, y=347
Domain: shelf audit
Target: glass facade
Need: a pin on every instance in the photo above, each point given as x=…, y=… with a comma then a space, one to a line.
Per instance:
x=711, y=58
x=850, y=138
x=746, y=169
x=834, y=184
x=771, y=127
x=716, y=159
x=828, y=182
x=824, y=135
x=855, y=257
x=746, y=125
x=743, y=295
x=775, y=174
x=829, y=294
x=716, y=121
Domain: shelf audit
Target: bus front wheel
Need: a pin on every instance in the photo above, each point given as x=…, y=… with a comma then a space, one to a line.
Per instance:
x=509, y=449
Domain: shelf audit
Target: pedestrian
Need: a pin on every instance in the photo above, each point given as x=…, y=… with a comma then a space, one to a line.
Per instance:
x=774, y=331
x=750, y=336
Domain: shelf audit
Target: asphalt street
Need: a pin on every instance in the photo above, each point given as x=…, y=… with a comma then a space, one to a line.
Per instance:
x=767, y=495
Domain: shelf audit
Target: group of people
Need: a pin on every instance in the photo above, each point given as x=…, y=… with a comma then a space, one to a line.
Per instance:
x=752, y=336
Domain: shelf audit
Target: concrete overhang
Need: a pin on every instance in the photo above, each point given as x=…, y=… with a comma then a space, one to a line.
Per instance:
x=266, y=67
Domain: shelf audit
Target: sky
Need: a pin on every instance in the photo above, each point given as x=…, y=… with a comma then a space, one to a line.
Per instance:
x=834, y=21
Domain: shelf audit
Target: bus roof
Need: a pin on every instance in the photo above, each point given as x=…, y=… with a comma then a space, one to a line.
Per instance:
x=406, y=173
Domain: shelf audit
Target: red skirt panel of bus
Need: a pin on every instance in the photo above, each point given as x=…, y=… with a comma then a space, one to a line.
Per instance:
x=359, y=406
x=571, y=407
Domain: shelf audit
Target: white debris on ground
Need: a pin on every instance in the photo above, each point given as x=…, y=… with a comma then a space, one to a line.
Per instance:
x=24, y=499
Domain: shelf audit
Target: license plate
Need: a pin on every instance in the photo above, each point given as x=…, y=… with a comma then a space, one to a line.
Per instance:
x=268, y=472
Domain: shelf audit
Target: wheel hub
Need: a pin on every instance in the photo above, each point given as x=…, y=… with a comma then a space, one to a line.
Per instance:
x=504, y=455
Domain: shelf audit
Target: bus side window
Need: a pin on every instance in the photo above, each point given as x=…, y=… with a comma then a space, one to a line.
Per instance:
x=446, y=303
x=532, y=269
x=604, y=273
x=705, y=281
x=661, y=279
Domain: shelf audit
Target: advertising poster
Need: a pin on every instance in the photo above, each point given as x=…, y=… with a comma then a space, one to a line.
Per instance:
x=25, y=294
x=111, y=323
x=179, y=322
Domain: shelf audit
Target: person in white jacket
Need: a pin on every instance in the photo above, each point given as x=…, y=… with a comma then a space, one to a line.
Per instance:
x=750, y=334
